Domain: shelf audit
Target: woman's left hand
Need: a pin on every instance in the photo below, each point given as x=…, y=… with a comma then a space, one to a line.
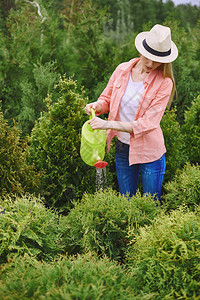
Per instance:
x=97, y=123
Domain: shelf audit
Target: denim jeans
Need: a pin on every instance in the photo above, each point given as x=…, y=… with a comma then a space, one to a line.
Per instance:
x=152, y=173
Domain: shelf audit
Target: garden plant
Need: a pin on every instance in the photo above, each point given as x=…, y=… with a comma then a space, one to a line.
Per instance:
x=62, y=237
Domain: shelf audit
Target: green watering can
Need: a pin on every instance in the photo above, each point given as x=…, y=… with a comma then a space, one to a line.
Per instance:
x=93, y=144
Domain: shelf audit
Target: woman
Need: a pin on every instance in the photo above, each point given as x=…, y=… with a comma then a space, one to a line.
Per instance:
x=136, y=97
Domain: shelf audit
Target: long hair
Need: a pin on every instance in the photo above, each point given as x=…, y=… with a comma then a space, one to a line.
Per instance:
x=168, y=72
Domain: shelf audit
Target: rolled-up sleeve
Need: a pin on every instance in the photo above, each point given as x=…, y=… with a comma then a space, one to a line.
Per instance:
x=106, y=95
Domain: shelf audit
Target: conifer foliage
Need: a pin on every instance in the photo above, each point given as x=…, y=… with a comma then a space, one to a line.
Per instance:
x=55, y=146
x=165, y=256
x=16, y=174
x=59, y=237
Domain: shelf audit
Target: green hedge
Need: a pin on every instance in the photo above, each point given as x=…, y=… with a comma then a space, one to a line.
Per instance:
x=55, y=146
x=47, y=255
x=81, y=277
x=16, y=174
x=174, y=141
x=28, y=227
x=184, y=188
x=165, y=256
x=100, y=222
x=191, y=131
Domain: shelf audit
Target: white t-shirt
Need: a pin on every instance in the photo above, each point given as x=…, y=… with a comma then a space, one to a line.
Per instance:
x=128, y=106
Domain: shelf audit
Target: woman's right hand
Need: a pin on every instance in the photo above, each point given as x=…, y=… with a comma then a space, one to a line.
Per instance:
x=95, y=105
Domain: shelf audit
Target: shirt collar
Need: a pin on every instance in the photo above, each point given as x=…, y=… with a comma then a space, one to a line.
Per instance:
x=151, y=75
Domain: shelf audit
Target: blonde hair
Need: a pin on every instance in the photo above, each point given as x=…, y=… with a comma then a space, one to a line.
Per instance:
x=168, y=72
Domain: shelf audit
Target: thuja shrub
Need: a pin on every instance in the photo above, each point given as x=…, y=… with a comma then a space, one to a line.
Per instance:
x=33, y=91
x=184, y=188
x=174, y=141
x=16, y=174
x=191, y=131
x=27, y=226
x=100, y=222
x=81, y=277
x=55, y=146
x=164, y=258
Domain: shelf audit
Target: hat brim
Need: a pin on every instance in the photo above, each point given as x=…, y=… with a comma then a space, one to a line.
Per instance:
x=162, y=59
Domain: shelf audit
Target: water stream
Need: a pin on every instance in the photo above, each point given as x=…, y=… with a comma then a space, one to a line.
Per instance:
x=101, y=181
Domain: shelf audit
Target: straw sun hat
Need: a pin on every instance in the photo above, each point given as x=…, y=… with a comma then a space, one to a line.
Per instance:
x=156, y=44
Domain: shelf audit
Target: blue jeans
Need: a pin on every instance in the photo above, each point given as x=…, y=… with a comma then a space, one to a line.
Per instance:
x=152, y=173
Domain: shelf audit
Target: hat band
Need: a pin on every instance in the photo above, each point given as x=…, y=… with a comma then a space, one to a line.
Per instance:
x=155, y=52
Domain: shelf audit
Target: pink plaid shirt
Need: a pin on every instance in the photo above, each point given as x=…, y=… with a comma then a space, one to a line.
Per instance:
x=146, y=141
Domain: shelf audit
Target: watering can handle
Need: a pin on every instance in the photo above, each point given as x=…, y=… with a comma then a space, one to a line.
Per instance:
x=92, y=113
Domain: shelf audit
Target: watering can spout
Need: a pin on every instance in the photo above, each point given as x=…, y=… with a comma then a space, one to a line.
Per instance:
x=93, y=144
x=100, y=164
